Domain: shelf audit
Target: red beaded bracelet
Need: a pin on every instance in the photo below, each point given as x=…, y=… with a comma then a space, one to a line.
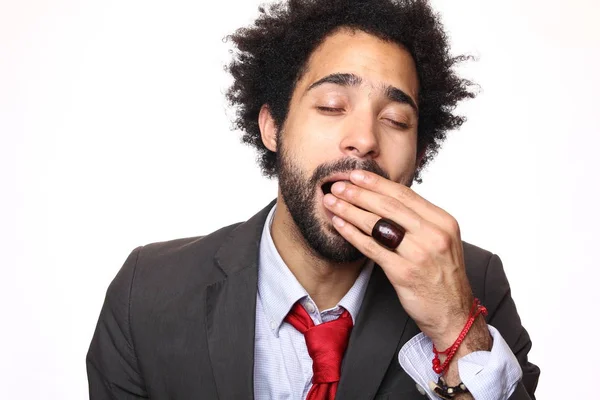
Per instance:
x=476, y=309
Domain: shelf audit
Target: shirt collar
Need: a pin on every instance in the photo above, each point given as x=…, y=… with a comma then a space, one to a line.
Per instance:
x=279, y=290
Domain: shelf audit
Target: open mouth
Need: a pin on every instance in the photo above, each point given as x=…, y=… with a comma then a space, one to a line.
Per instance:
x=326, y=187
x=333, y=178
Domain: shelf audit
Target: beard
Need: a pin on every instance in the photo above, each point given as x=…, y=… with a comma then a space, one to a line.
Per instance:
x=299, y=193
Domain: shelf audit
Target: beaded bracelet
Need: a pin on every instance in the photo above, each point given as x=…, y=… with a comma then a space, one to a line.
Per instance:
x=443, y=391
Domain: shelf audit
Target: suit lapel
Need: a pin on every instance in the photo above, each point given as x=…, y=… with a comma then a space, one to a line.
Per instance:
x=231, y=313
x=231, y=310
x=374, y=340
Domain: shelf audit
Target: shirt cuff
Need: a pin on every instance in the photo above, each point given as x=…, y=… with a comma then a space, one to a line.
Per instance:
x=489, y=375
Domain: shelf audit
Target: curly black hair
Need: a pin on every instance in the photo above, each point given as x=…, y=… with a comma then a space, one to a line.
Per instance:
x=272, y=54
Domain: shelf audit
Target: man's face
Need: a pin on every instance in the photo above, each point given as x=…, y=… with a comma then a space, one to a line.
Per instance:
x=354, y=108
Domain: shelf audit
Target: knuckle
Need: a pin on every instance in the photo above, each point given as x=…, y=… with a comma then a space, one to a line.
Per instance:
x=419, y=256
x=373, y=249
x=390, y=205
x=453, y=225
x=351, y=192
x=404, y=193
x=339, y=205
x=441, y=240
x=372, y=179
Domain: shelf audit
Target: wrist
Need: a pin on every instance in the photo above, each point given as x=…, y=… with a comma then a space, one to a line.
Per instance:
x=478, y=339
x=448, y=328
x=439, y=366
x=446, y=337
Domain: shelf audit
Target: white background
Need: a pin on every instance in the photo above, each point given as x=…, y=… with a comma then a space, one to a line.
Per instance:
x=114, y=133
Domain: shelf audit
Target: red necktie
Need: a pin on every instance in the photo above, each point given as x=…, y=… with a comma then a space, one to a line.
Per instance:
x=326, y=344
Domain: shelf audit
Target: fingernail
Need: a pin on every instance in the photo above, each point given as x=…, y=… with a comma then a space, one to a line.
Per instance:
x=329, y=200
x=338, y=187
x=358, y=175
x=337, y=221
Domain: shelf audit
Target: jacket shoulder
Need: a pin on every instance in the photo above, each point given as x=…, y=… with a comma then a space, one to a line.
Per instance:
x=186, y=247
x=477, y=261
x=180, y=262
x=475, y=256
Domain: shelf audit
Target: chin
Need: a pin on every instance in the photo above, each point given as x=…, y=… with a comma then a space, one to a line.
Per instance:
x=332, y=246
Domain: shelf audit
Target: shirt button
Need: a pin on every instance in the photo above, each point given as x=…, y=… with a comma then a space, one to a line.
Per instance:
x=273, y=325
x=420, y=389
x=310, y=307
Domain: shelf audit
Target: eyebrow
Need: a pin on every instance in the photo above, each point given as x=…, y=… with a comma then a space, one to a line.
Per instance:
x=352, y=80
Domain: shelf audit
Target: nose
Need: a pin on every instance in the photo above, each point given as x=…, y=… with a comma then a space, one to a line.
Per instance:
x=360, y=138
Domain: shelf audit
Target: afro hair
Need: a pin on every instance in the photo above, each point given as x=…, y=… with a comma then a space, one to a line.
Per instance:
x=271, y=55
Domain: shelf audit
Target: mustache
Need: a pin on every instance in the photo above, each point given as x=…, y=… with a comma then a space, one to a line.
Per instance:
x=346, y=165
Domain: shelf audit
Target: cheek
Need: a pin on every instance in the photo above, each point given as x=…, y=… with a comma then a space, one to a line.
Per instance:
x=313, y=141
x=398, y=155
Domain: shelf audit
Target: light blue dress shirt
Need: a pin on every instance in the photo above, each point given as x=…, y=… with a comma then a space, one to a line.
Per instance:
x=283, y=368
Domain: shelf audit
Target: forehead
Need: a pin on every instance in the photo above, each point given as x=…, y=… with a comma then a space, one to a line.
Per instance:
x=379, y=63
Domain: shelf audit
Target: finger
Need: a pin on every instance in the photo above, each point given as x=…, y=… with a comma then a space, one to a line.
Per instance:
x=379, y=204
x=402, y=193
x=362, y=219
x=397, y=268
x=365, y=221
x=364, y=243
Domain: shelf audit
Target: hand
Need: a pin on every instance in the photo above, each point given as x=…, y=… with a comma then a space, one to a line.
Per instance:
x=427, y=270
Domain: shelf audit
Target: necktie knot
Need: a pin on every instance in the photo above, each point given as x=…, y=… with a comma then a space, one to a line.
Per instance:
x=326, y=344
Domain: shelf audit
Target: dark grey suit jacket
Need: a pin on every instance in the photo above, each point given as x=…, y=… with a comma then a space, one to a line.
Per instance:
x=178, y=323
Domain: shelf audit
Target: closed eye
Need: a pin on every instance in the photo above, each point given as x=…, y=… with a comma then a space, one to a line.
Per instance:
x=330, y=109
x=401, y=125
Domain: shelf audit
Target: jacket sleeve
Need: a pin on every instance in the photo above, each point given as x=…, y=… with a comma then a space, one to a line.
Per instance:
x=112, y=366
x=504, y=317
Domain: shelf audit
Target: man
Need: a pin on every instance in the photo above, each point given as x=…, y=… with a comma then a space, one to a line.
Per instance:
x=345, y=285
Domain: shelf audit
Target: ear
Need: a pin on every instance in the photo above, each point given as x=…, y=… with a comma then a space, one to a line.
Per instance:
x=268, y=128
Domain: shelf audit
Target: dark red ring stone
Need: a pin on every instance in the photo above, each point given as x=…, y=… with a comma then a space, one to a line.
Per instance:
x=388, y=233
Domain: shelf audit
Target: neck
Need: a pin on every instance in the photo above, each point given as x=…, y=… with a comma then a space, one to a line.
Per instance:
x=325, y=281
